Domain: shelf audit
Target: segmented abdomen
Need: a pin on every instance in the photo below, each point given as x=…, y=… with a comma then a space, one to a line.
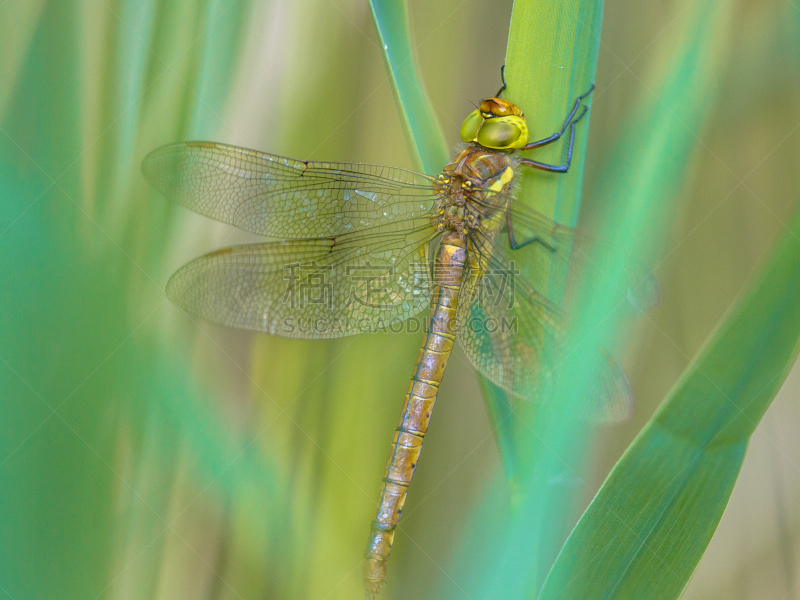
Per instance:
x=417, y=409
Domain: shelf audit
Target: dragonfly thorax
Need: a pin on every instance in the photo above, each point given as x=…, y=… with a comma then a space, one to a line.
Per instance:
x=473, y=191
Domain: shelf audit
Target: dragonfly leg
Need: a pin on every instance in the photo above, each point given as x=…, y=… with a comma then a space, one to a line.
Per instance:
x=567, y=122
x=515, y=245
x=555, y=168
x=503, y=79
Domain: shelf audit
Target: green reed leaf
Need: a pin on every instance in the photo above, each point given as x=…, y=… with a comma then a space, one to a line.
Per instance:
x=645, y=531
x=425, y=138
x=647, y=528
x=551, y=60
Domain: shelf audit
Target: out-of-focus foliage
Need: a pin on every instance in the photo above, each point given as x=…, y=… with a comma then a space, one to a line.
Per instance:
x=104, y=422
x=647, y=528
x=146, y=455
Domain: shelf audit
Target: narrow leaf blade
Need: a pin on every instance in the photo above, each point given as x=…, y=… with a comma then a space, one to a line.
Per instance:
x=425, y=137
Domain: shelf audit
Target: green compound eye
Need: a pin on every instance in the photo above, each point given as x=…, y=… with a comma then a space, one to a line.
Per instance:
x=503, y=133
x=497, y=135
x=471, y=125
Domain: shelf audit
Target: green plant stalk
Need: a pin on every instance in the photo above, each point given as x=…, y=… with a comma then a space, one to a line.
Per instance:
x=550, y=61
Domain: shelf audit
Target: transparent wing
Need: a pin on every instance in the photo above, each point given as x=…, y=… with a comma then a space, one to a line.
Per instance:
x=282, y=197
x=510, y=331
x=315, y=289
x=505, y=326
x=581, y=256
x=611, y=399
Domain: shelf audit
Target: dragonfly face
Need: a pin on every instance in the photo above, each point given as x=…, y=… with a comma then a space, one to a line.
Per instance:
x=497, y=124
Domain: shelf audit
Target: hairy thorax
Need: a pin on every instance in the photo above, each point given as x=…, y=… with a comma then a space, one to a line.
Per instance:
x=473, y=191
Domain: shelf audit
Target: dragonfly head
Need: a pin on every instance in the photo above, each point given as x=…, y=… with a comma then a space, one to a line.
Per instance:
x=496, y=124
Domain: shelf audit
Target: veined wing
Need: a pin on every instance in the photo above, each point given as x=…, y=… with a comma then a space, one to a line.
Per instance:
x=574, y=253
x=315, y=289
x=505, y=327
x=282, y=197
x=514, y=335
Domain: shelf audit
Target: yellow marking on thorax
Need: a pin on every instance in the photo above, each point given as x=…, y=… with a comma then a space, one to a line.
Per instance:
x=495, y=220
x=504, y=180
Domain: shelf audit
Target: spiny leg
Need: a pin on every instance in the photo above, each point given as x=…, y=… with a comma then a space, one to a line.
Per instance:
x=567, y=122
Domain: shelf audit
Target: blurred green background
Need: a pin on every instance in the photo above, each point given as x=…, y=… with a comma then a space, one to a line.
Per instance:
x=145, y=454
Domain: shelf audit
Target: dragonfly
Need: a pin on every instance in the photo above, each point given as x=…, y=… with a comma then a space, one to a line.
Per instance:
x=359, y=247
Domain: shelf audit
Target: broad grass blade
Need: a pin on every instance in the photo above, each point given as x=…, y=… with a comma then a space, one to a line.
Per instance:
x=645, y=531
